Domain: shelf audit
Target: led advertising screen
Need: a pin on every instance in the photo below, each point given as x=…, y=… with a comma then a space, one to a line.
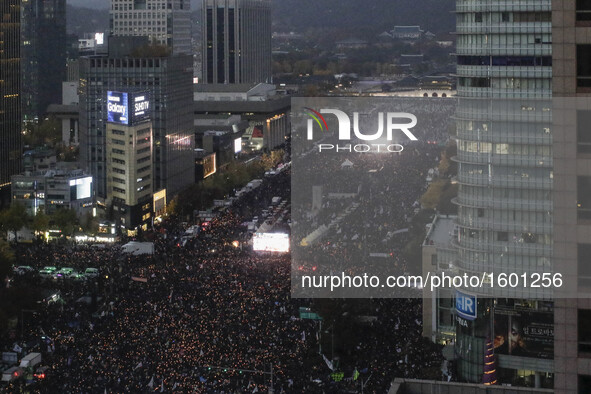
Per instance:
x=80, y=188
x=140, y=108
x=270, y=242
x=117, y=107
x=237, y=145
x=128, y=108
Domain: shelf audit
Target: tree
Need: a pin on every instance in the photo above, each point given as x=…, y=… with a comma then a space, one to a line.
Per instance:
x=14, y=218
x=6, y=259
x=89, y=224
x=47, y=132
x=65, y=220
x=40, y=222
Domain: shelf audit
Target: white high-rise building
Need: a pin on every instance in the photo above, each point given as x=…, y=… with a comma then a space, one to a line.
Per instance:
x=165, y=22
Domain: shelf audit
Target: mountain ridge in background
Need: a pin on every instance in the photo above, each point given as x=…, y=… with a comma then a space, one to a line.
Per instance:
x=362, y=18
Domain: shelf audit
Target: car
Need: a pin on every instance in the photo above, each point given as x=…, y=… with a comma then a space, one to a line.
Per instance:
x=63, y=273
x=41, y=372
x=77, y=276
x=23, y=269
x=44, y=273
x=50, y=268
x=91, y=273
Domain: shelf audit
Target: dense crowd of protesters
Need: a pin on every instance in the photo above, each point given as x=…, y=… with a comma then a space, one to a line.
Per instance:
x=213, y=317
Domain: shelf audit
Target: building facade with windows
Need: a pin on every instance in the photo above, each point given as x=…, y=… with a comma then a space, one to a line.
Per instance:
x=165, y=22
x=571, y=21
x=11, y=143
x=236, y=41
x=129, y=160
x=505, y=176
x=51, y=190
x=43, y=55
x=169, y=83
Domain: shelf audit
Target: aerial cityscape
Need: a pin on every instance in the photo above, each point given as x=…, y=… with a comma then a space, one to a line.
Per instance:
x=295, y=196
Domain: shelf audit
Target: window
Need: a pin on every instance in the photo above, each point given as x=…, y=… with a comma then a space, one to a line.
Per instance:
x=584, y=66
x=584, y=131
x=503, y=236
x=583, y=10
x=584, y=197
x=504, y=16
x=584, y=330
x=584, y=265
x=478, y=17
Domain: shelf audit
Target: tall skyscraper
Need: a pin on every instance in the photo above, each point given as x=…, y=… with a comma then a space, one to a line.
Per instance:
x=571, y=45
x=236, y=41
x=43, y=54
x=10, y=98
x=168, y=80
x=504, y=151
x=165, y=22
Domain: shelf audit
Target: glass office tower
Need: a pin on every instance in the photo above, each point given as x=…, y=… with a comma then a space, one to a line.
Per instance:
x=10, y=98
x=236, y=41
x=505, y=177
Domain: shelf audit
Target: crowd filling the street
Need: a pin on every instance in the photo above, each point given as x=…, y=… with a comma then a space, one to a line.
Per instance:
x=210, y=315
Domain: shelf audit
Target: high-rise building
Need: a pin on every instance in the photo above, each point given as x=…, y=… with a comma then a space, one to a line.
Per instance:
x=236, y=41
x=168, y=80
x=571, y=46
x=43, y=54
x=10, y=98
x=129, y=158
x=165, y=22
x=504, y=155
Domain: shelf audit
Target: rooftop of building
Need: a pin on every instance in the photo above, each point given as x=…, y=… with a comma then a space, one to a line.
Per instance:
x=351, y=41
x=407, y=29
x=61, y=172
x=441, y=231
x=232, y=87
x=416, y=386
x=40, y=151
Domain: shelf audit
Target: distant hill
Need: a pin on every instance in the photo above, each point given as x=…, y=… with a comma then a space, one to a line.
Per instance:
x=372, y=16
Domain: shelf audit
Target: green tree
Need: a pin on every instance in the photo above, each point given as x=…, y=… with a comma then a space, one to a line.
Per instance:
x=14, y=218
x=65, y=220
x=46, y=132
x=6, y=259
x=89, y=224
x=40, y=221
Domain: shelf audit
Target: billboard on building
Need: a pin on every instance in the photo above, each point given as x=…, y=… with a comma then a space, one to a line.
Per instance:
x=117, y=107
x=524, y=333
x=128, y=108
x=80, y=188
x=141, y=107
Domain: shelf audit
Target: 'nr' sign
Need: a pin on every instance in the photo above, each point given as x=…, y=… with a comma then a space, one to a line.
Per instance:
x=466, y=305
